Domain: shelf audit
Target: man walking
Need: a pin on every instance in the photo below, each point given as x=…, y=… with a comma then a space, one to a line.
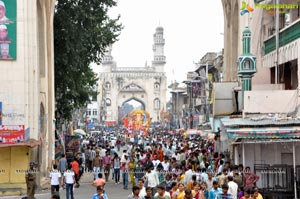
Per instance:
x=69, y=179
x=55, y=176
x=125, y=170
x=30, y=178
x=62, y=164
x=106, y=160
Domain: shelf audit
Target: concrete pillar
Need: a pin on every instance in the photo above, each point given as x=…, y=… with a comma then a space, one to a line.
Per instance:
x=236, y=155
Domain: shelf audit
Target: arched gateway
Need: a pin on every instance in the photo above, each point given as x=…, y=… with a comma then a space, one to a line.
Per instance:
x=146, y=85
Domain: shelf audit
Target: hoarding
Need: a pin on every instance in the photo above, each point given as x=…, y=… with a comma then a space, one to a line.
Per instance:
x=0, y=113
x=12, y=134
x=8, y=30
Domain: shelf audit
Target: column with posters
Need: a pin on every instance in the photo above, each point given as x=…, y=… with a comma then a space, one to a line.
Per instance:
x=8, y=30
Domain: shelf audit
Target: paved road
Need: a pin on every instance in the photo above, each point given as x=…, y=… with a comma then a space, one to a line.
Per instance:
x=85, y=191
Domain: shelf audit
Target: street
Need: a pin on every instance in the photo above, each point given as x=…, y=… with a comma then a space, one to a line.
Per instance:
x=86, y=190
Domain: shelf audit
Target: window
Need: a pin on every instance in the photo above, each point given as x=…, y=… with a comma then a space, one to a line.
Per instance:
x=107, y=85
x=156, y=104
x=94, y=112
x=156, y=86
x=89, y=112
x=108, y=102
x=247, y=65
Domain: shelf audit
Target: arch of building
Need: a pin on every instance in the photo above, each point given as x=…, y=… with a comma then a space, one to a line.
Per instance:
x=147, y=85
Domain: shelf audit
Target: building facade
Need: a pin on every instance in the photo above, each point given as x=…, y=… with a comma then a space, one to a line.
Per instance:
x=147, y=85
x=26, y=92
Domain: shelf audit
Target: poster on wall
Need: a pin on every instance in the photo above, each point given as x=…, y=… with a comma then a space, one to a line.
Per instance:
x=12, y=134
x=196, y=89
x=8, y=30
x=0, y=113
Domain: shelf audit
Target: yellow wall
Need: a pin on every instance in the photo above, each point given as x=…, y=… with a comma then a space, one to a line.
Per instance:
x=5, y=164
x=13, y=162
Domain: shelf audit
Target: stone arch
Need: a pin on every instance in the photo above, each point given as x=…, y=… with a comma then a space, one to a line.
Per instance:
x=136, y=99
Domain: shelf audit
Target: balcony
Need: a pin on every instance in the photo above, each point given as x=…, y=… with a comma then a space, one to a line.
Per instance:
x=286, y=35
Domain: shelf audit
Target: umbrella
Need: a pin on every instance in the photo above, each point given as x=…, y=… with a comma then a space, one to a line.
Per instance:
x=80, y=131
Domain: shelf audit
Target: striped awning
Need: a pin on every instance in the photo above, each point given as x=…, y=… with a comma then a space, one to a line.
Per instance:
x=263, y=133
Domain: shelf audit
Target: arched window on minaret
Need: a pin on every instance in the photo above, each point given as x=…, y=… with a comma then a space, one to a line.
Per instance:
x=156, y=104
x=107, y=85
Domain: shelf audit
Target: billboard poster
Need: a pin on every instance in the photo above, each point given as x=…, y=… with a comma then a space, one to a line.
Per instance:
x=8, y=30
x=12, y=134
x=196, y=89
x=0, y=113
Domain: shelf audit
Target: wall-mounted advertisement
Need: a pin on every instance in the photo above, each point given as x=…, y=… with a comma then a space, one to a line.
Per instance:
x=0, y=113
x=8, y=29
x=12, y=134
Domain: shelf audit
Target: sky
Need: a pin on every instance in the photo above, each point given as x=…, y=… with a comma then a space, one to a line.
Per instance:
x=191, y=29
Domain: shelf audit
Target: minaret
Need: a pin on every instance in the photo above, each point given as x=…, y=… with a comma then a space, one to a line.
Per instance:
x=159, y=60
x=247, y=63
x=108, y=61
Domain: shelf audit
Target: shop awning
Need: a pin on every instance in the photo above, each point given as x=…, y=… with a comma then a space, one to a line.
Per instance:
x=265, y=141
x=264, y=133
x=30, y=143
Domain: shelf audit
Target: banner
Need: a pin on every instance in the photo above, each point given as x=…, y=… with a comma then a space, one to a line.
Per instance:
x=12, y=134
x=196, y=89
x=0, y=113
x=8, y=30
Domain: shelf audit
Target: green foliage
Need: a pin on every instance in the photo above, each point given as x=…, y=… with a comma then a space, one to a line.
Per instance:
x=82, y=31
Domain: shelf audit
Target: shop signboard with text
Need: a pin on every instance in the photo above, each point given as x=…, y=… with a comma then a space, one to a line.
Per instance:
x=12, y=134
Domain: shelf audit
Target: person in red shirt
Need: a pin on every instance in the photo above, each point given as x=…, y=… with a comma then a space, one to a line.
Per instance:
x=75, y=167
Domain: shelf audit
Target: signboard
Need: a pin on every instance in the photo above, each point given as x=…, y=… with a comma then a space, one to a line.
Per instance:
x=196, y=89
x=8, y=30
x=0, y=113
x=264, y=134
x=12, y=134
x=91, y=125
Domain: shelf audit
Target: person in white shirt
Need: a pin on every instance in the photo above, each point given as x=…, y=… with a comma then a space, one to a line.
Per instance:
x=233, y=187
x=69, y=179
x=152, y=179
x=141, y=183
x=155, y=162
x=221, y=166
x=55, y=176
x=188, y=175
x=161, y=192
x=209, y=181
x=166, y=164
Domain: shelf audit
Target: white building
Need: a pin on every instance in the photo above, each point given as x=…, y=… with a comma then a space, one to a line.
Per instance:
x=92, y=112
x=27, y=93
x=147, y=85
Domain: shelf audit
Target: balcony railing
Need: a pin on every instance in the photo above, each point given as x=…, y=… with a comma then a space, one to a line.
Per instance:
x=286, y=35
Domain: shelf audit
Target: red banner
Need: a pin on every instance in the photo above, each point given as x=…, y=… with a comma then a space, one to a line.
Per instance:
x=12, y=134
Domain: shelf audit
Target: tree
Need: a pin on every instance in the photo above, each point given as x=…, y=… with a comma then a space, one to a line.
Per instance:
x=82, y=32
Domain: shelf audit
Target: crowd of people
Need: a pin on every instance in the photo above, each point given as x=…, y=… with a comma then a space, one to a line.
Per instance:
x=162, y=166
